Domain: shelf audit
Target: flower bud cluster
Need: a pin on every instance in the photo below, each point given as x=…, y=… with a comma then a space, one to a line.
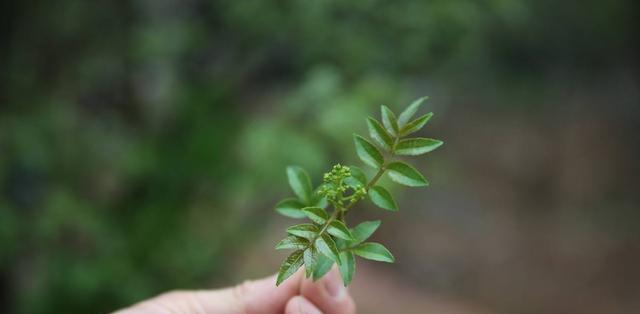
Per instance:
x=334, y=186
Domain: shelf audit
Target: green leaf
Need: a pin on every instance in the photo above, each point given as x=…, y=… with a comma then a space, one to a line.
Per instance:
x=374, y=251
x=406, y=115
x=381, y=197
x=290, y=207
x=379, y=134
x=310, y=258
x=316, y=214
x=300, y=184
x=292, y=242
x=416, y=146
x=289, y=266
x=348, y=267
x=357, y=177
x=404, y=174
x=338, y=229
x=323, y=266
x=307, y=231
x=319, y=201
x=363, y=231
x=389, y=120
x=327, y=246
x=368, y=153
x=415, y=125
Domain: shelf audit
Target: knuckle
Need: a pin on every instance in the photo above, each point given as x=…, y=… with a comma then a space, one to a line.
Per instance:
x=240, y=293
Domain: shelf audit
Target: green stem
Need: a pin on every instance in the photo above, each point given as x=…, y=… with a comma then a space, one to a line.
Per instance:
x=342, y=211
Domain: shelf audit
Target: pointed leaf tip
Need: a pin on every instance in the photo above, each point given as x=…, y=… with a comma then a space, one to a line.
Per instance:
x=406, y=115
x=382, y=198
x=405, y=174
x=417, y=146
x=290, y=266
x=290, y=207
x=300, y=184
x=416, y=124
x=363, y=231
x=374, y=251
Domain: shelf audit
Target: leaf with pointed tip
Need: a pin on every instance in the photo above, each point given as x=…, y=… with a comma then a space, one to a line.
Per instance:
x=310, y=258
x=300, y=184
x=374, y=251
x=389, y=120
x=379, y=134
x=405, y=174
x=289, y=266
x=323, y=266
x=292, y=242
x=363, y=231
x=368, y=153
x=290, y=207
x=338, y=229
x=348, y=267
x=381, y=197
x=316, y=214
x=307, y=231
x=406, y=115
x=416, y=146
x=357, y=177
x=415, y=125
x=327, y=246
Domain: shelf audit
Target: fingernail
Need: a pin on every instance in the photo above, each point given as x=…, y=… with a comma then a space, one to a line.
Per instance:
x=333, y=284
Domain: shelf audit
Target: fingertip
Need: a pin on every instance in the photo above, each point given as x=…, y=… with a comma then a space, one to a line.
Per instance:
x=300, y=305
x=329, y=294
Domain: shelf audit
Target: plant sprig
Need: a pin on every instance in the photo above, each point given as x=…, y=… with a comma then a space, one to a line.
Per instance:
x=327, y=239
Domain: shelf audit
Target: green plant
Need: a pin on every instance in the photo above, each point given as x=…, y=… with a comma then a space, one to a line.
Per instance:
x=327, y=239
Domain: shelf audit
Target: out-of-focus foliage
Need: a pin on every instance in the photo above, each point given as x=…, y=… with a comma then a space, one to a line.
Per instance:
x=135, y=135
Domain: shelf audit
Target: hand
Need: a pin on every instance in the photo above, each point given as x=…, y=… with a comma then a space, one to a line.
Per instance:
x=297, y=295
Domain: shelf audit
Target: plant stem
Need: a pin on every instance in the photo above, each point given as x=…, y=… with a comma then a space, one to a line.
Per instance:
x=342, y=211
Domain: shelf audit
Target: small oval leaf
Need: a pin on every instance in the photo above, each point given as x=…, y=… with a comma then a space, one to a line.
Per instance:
x=379, y=134
x=300, y=184
x=310, y=258
x=363, y=231
x=327, y=246
x=290, y=266
x=368, y=153
x=290, y=207
x=307, y=231
x=389, y=120
x=382, y=198
x=405, y=174
x=416, y=146
x=348, y=267
x=292, y=242
x=415, y=125
x=316, y=214
x=406, y=115
x=323, y=265
x=338, y=229
x=374, y=251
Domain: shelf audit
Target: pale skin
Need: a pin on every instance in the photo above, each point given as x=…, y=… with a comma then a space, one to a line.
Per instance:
x=297, y=295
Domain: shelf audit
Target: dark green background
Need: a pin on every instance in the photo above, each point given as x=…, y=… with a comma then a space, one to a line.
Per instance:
x=143, y=143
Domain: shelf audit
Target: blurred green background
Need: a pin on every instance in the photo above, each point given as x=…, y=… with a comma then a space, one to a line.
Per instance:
x=143, y=145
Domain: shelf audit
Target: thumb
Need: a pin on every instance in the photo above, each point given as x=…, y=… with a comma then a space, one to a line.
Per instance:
x=259, y=296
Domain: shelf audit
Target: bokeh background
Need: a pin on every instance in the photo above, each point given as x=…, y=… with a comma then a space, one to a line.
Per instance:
x=143, y=146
